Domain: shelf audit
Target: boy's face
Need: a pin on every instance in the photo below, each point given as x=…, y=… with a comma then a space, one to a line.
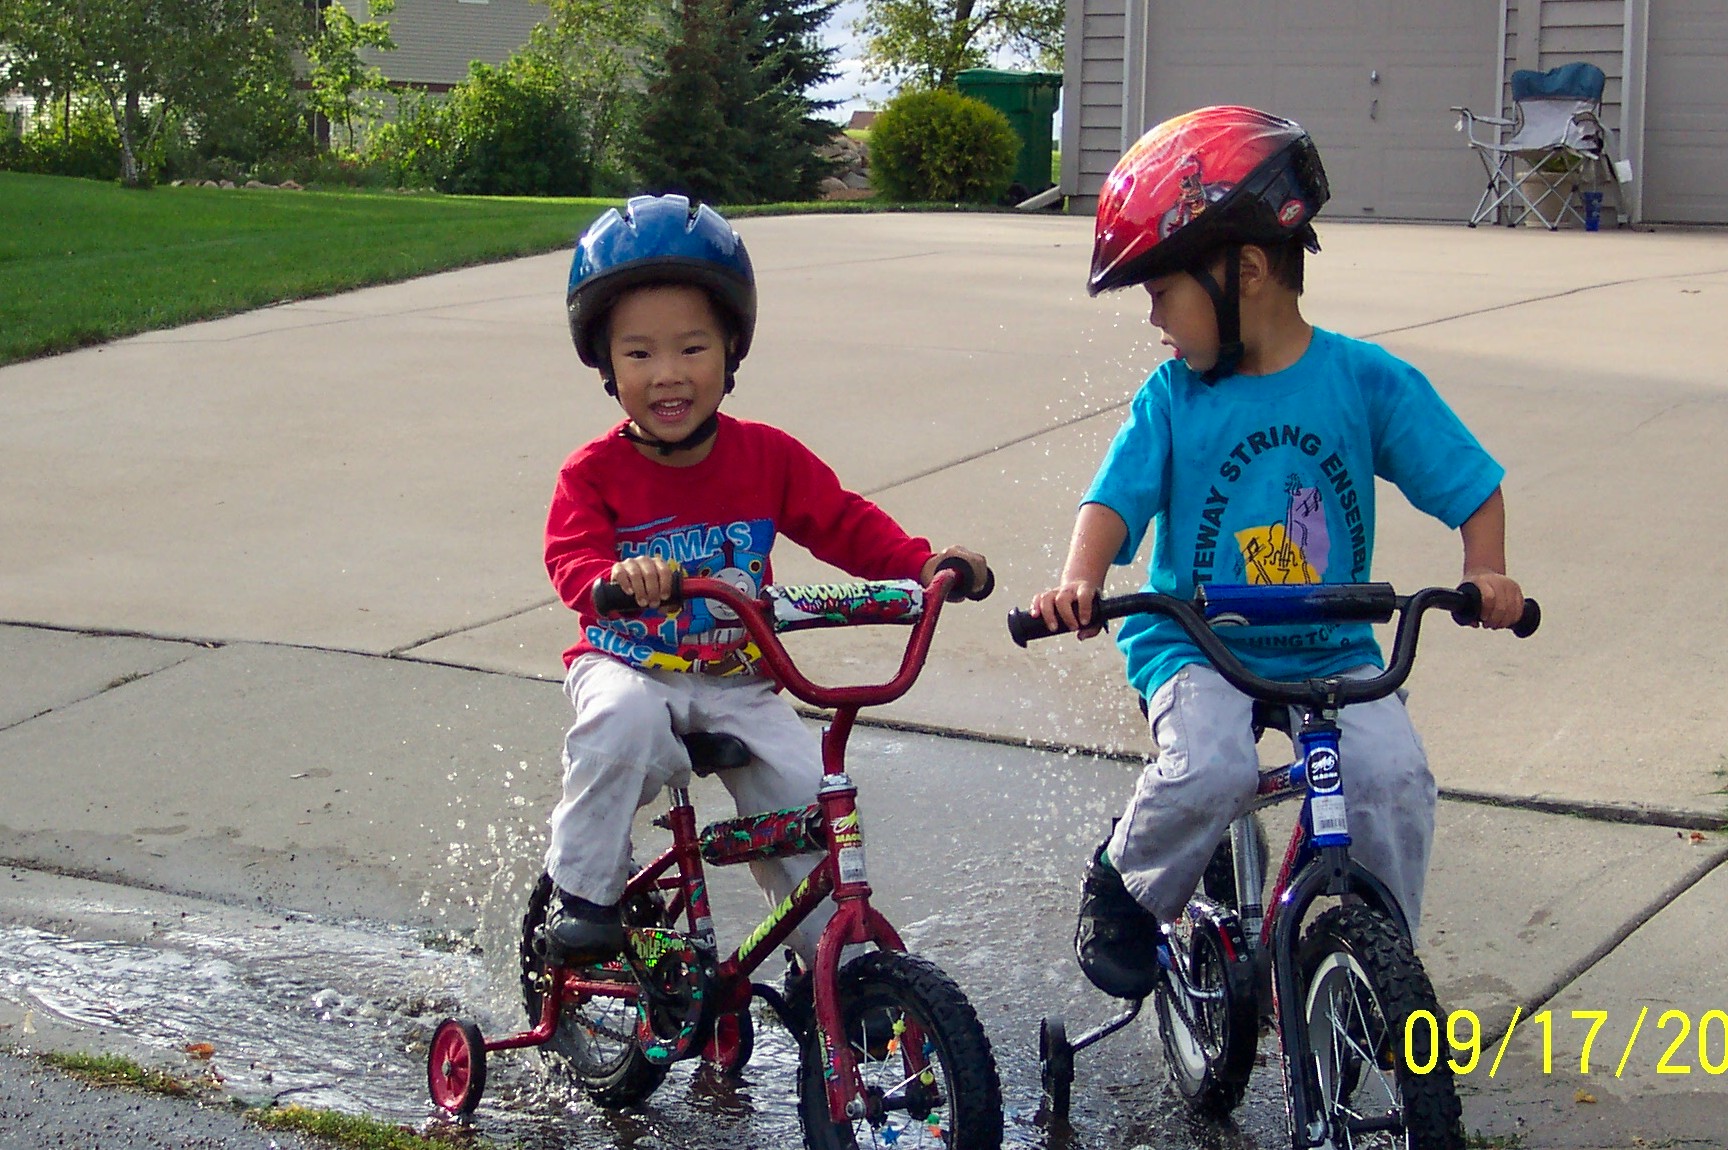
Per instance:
x=668, y=350
x=1183, y=311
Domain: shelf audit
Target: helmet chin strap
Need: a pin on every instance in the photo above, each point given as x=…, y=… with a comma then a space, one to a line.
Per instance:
x=1227, y=306
x=703, y=433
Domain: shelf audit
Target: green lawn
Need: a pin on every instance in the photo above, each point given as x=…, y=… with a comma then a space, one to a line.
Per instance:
x=82, y=262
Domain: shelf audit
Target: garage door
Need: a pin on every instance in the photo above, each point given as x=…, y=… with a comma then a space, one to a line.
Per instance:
x=1371, y=80
x=1686, y=113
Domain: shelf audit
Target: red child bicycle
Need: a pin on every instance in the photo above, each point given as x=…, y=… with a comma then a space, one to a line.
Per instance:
x=891, y=1053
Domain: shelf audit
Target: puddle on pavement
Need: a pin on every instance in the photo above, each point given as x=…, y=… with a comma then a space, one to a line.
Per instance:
x=338, y=1017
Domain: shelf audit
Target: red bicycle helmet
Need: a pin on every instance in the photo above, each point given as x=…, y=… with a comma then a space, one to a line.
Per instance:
x=1202, y=180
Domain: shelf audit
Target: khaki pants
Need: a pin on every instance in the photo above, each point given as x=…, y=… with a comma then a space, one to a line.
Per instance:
x=626, y=747
x=1206, y=774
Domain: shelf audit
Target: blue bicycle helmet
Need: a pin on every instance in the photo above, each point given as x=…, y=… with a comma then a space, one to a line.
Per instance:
x=654, y=240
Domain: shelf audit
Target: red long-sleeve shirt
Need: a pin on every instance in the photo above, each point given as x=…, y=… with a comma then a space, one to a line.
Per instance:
x=719, y=519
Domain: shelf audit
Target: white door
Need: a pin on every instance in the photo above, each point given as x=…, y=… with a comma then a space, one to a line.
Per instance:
x=1686, y=113
x=1371, y=80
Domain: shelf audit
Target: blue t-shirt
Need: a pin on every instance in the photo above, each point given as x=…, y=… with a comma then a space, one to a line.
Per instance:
x=1270, y=479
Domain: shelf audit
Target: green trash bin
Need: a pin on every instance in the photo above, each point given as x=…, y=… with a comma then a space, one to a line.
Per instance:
x=1028, y=99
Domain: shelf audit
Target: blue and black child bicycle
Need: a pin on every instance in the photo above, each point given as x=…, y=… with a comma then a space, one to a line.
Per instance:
x=1339, y=993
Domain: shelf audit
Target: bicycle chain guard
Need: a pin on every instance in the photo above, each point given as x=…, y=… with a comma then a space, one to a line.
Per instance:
x=672, y=1009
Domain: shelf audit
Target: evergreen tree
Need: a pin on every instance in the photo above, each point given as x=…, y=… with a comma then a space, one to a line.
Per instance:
x=794, y=36
x=722, y=120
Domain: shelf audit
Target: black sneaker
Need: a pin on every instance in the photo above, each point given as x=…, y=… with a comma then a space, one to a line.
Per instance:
x=1116, y=939
x=582, y=933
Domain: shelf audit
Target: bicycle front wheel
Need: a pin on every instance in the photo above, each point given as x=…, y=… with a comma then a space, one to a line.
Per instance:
x=956, y=1103
x=595, y=1042
x=1360, y=984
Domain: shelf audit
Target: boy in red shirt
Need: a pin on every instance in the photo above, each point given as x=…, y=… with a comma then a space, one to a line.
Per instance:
x=662, y=302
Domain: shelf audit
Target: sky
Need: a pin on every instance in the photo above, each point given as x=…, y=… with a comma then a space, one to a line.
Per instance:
x=850, y=88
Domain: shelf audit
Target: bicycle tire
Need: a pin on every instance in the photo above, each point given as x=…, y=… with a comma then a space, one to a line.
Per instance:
x=1209, y=1043
x=1360, y=982
x=888, y=988
x=613, y=1073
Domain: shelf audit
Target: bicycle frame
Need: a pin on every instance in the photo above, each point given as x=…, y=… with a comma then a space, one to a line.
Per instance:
x=840, y=875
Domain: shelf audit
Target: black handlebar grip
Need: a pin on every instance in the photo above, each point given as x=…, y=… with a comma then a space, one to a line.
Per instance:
x=610, y=599
x=963, y=586
x=1472, y=611
x=985, y=591
x=1024, y=626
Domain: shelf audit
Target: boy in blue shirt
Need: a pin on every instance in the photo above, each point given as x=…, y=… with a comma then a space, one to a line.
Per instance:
x=1252, y=455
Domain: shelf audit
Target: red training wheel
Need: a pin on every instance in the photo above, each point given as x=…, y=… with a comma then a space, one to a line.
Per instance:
x=456, y=1067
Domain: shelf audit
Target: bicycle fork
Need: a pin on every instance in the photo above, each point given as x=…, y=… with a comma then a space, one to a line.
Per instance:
x=854, y=921
x=1319, y=865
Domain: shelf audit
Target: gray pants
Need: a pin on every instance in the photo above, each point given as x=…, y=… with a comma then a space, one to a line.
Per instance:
x=1205, y=777
x=626, y=746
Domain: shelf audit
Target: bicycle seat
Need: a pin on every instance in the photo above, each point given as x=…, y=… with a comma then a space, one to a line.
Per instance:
x=1271, y=717
x=712, y=752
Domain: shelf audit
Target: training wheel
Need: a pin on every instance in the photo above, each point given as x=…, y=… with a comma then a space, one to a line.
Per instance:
x=730, y=1046
x=456, y=1067
x=1055, y=1066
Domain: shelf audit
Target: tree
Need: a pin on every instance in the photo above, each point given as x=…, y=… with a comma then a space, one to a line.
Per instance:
x=263, y=115
x=926, y=43
x=722, y=119
x=792, y=37
x=600, y=46
x=343, y=84
x=149, y=59
x=690, y=139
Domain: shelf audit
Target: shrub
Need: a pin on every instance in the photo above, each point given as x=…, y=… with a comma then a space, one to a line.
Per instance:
x=83, y=143
x=515, y=131
x=414, y=148
x=937, y=145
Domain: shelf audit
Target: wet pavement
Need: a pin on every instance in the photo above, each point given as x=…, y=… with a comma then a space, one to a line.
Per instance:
x=337, y=1014
x=975, y=853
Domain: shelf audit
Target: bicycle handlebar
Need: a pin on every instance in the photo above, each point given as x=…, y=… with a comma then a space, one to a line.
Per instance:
x=1359, y=602
x=952, y=581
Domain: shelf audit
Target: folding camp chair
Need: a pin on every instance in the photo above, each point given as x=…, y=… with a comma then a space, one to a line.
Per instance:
x=1558, y=144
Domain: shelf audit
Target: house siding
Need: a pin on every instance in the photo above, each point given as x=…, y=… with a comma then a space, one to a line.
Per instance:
x=436, y=39
x=1093, y=91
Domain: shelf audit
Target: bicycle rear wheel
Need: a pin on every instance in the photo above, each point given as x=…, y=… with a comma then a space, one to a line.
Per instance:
x=955, y=1104
x=1360, y=983
x=1211, y=1031
x=595, y=1043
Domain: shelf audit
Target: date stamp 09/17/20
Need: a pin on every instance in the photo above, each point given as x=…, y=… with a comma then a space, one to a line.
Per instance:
x=1681, y=1042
